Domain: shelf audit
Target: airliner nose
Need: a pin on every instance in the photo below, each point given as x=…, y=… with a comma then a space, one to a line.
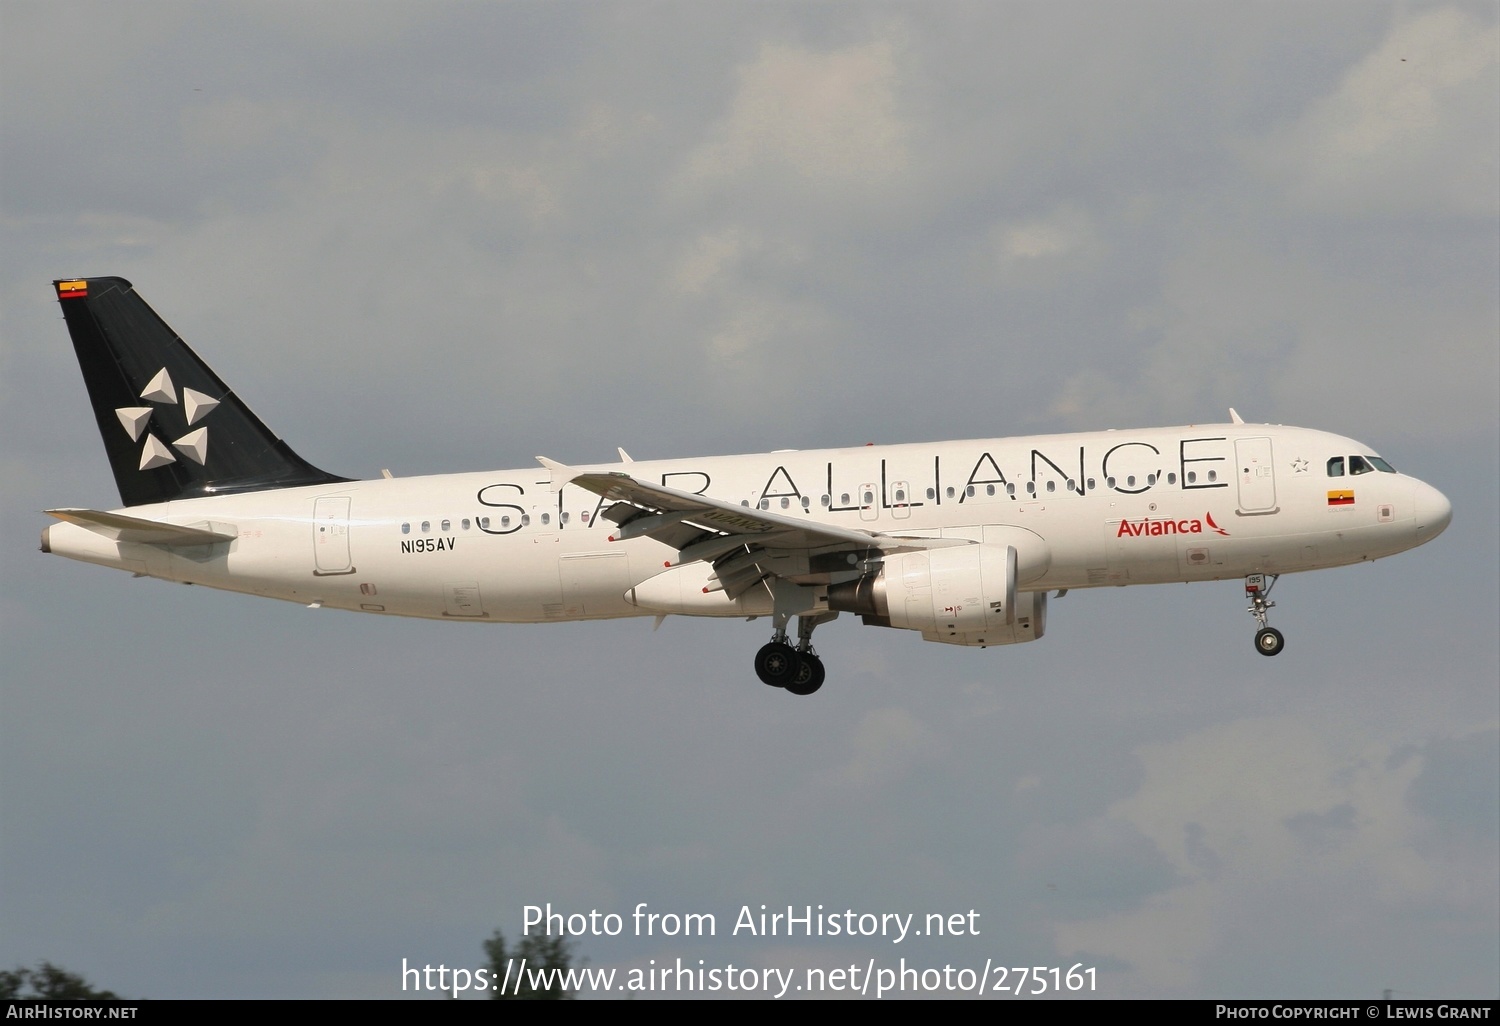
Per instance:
x=1433, y=511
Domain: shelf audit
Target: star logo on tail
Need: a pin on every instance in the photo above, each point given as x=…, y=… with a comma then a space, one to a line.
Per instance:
x=195, y=406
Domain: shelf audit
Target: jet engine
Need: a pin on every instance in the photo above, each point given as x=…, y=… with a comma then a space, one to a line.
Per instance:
x=962, y=595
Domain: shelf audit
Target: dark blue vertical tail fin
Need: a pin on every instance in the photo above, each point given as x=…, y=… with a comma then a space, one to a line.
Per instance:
x=171, y=428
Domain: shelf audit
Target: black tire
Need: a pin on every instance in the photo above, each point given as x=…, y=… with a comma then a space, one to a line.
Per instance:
x=1268, y=641
x=809, y=678
x=777, y=664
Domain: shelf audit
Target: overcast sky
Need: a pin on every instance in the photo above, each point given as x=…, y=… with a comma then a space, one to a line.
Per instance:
x=440, y=237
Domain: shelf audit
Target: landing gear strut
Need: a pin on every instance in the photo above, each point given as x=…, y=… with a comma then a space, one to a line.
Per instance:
x=1268, y=640
x=799, y=669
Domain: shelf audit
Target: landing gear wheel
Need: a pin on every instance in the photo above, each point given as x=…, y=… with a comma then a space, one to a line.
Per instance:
x=1268, y=641
x=1258, y=590
x=777, y=664
x=809, y=676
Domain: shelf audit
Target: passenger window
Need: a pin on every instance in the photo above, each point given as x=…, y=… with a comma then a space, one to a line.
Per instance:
x=447, y=525
x=426, y=526
x=1172, y=478
x=949, y=491
x=869, y=498
x=406, y=528
x=806, y=502
x=1091, y=484
x=765, y=503
x=1110, y=481
x=844, y=499
x=525, y=519
x=1051, y=486
x=1071, y=486
x=827, y=500
x=1357, y=465
x=1130, y=481
x=969, y=491
x=989, y=489
x=1010, y=489
x=785, y=502
x=1336, y=467
x=464, y=523
x=1192, y=476
x=563, y=516
x=931, y=494
x=505, y=520
x=1030, y=487
x=1213, y=475
x=546, y=518
x=584, y=516
x=484, y=523
x=900, y=495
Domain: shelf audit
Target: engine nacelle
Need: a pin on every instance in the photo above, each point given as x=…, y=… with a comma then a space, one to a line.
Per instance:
x=1031, y=623
x=961, y=595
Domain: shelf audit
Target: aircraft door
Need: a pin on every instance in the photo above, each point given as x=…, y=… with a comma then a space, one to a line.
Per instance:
x=331, y=535
x=869, y=507
x=1257, y=475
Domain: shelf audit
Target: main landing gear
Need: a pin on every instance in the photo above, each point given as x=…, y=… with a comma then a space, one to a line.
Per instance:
x=798, y=670
x=1268, y=640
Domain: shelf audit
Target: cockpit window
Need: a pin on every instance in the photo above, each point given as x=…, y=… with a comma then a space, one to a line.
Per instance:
x=1381, y=465
x=1336, y=467
x=1357, y=465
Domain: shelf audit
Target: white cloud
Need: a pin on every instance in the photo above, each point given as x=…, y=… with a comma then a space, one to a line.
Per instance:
x=1042, y=249
x=1286, y=337
x=1411, y=129
x=710, y=257
x=1272, y=812
x=826, y=118
x=886, y=744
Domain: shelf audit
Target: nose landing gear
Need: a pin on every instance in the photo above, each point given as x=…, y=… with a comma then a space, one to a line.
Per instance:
x=1268, y=640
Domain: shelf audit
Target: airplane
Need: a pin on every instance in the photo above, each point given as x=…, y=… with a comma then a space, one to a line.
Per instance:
x=959, y=541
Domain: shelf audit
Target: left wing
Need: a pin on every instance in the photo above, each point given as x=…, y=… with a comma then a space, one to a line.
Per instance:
x=745, y=545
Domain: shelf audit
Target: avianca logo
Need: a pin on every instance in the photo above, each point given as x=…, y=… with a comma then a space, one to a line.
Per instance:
x=1148, y=526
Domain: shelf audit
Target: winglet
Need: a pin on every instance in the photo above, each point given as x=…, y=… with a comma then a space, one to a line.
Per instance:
x=561, y=472
x=1235, y=418
x=624, y=456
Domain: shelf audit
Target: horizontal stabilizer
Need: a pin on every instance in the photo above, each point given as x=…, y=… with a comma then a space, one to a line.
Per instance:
x=118, y=527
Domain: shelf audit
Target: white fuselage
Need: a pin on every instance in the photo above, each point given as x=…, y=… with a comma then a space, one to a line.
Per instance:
x=1101, y=508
